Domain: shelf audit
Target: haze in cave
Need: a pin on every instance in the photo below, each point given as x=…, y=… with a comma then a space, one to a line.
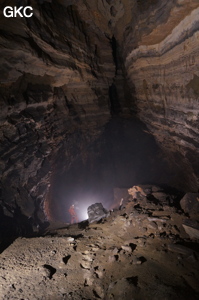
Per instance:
x=124, y=155
x=99, y=106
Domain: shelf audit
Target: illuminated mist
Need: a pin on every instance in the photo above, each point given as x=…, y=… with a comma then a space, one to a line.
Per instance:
x=124, y=155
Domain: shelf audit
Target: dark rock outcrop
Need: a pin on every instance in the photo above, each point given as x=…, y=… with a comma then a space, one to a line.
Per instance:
x=190, y=204
x=96, y=212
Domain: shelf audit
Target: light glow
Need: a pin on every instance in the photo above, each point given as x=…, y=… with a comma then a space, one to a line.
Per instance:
x=82, y=205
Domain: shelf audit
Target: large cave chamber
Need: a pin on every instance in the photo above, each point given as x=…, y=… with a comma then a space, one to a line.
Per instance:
x=99, y=150
x=95, y=95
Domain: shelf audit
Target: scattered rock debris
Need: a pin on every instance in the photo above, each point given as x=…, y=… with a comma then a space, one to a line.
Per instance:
x=141, y=252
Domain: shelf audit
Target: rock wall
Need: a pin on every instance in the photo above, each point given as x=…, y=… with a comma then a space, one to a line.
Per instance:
x=161, y=60
x=65, y=69
x=56, y=69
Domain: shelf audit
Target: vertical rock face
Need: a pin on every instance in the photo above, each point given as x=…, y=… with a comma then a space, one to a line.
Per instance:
x=56, y=69
x=161, y=59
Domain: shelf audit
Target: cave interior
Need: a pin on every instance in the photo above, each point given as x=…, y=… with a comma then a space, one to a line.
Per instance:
x=95, y=96
x=85, y=109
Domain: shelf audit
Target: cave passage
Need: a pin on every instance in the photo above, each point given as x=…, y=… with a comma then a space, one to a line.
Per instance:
x=99, y=102
x=123, y=156
x=70, y=76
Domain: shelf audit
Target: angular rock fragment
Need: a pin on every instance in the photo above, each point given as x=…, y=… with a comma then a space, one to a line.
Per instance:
x=191, y=228
x=85, y=265
x=190, y=204
x=137, y=191
x=163, y=213
x=87, y=257
x=115, y=250
x=70, y=239
x=96, y=212
x=99, y=273
x=127, y=248
x=162, y=197
x=180, y=249
x=136, y=261
x=112, y=258
x=152, y=219
x=152, y=225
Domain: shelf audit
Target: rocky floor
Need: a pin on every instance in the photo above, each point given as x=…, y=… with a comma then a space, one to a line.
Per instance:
x=140, y=252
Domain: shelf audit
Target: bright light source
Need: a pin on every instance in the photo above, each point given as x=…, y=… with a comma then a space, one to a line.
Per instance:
x=82, y=213
x=82, y=205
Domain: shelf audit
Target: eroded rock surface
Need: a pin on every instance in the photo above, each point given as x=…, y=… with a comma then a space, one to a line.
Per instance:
x=56, y=69
x=64, y=71
x=141, y=252
x=161, y=59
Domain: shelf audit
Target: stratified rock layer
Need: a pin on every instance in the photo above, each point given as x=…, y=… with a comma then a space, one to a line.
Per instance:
x=64, y=70
x=56, y=69
x=161, y=58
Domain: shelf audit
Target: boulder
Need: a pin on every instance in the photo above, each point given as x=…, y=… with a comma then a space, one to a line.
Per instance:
x=137, y=191
x=127, y=248
x=180, y=249
x=162, y=197
x=191, y=228
x=96, y=212
x=190, y=204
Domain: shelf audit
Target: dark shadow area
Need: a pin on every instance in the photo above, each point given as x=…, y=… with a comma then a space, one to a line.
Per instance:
x=115, y=106
x=114, y=47
x=16, y=225
x=50, y=271
x=133, y=280
x=190, y=244
x=6, y=238
x=142, y=259
x=9, y=230
x=123, y=156
x=83, y=224
x=133, y=246
x=66, y=259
